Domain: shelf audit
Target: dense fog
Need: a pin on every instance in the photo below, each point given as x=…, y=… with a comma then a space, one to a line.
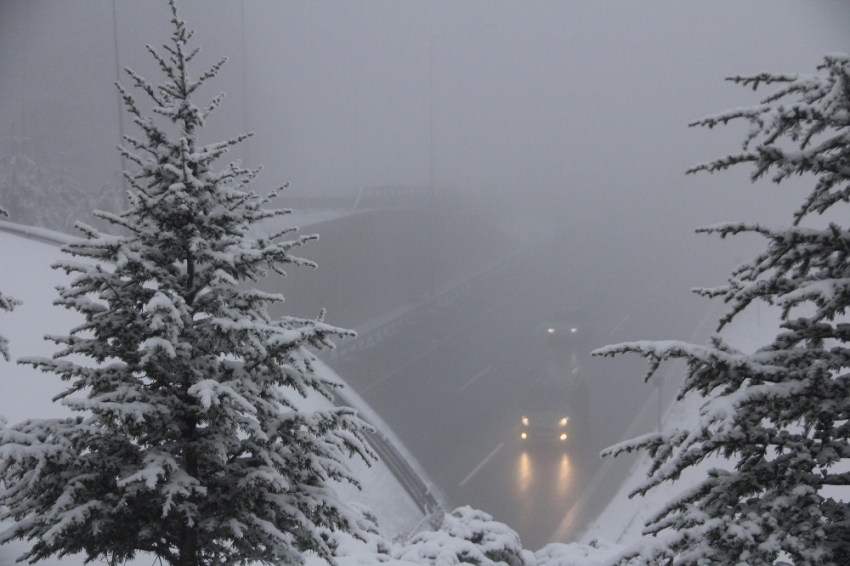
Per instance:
x=569, y=110
x=557, y=124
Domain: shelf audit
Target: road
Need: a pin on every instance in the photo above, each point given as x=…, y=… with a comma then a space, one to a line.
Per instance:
x=452, y=383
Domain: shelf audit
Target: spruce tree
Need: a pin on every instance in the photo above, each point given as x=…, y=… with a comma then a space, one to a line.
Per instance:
x=188, y=445
x=778, y=419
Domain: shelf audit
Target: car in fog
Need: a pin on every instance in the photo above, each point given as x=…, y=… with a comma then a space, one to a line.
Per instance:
x=545, y=415
x=555, y=405
x=567, y=329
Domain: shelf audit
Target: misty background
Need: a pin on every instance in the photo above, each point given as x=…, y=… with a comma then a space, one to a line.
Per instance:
x=541, y=115
x=535, y=118
x=552, y=135
x=567, y=112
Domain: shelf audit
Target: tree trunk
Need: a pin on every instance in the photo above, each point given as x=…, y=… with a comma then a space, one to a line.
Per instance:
x=189, y=546
x=189, y=536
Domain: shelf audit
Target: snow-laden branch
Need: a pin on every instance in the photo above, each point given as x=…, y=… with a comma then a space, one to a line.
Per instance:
x=772, y=429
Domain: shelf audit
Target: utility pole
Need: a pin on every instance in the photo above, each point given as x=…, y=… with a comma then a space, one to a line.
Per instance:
x=246, y=120
x=431, y=118
x=123, y=160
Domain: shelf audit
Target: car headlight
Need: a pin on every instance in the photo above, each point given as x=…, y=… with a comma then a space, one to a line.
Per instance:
x=524, y=421
x=564, y=421
x=523, y=436
x=563, y=436
x=550, y=330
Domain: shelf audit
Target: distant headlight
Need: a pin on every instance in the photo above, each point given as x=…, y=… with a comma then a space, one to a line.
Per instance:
x=551, y=331
x=563, y=436
x=523, y=436
x=573, y=330
x=564, y=421
x=525, y=421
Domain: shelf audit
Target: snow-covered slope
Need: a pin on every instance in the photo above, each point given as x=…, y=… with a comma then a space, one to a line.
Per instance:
x=26, y=275
x=622, y=521
x=26, y=393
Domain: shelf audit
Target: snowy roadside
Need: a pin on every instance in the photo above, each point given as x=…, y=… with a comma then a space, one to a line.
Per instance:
x=27, y=393
x=622, y=521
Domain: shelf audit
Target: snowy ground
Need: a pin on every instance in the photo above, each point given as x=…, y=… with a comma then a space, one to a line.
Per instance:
x=26, y=393
x=622, y=521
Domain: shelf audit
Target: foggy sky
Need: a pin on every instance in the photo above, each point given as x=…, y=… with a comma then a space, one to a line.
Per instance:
x=570, y=112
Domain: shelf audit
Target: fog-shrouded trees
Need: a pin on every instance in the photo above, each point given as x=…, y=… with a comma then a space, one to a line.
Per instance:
x=188, y=444
x=775, y=421
x=46, y=195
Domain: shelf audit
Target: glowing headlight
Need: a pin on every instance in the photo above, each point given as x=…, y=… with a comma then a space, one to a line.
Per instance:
x=573, y=330
x=524, y=421
x=523, y=436
x=564, y=421
x=563, y=436
x=551, y=331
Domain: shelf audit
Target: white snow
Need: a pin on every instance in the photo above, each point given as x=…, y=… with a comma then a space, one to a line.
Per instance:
x=622, y=521
x=27, y=393
x=27, y=276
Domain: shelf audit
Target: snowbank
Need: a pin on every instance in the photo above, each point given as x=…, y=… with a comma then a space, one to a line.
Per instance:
x=27, y=393
x=622, y=521
x=26, y=275
x=465, y=536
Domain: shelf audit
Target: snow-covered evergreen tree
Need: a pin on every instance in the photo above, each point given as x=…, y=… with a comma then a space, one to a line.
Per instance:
x=188, y=445
x=778, y=418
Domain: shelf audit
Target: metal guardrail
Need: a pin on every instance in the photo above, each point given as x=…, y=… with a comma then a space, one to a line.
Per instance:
x=428, y=498
x=35, y=233
x=418, y=490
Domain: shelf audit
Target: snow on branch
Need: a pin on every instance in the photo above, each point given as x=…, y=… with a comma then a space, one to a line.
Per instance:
x=772, y=423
